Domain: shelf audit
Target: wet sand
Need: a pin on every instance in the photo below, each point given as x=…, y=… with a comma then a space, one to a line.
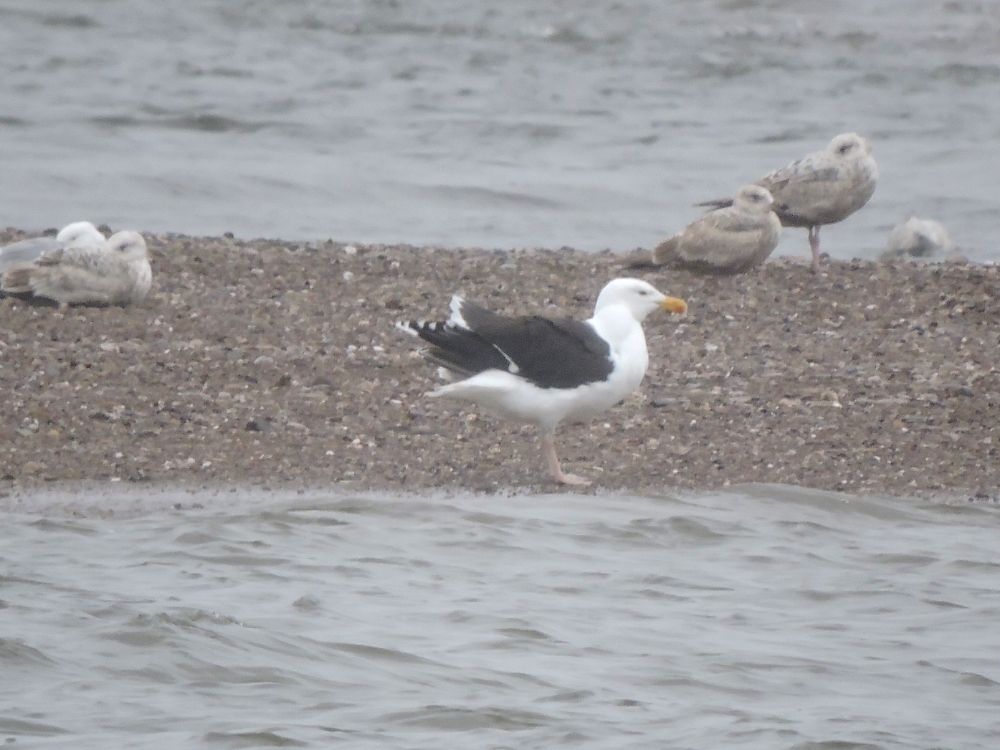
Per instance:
x=276, y=364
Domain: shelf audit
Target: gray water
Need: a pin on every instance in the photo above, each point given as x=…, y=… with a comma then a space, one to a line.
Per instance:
x=595, y=123
x=762, y=617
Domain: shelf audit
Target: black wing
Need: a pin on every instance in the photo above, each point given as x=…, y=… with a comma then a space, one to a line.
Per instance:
x=559, y=353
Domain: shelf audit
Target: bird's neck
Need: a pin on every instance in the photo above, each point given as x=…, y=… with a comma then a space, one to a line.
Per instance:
x=616, y=324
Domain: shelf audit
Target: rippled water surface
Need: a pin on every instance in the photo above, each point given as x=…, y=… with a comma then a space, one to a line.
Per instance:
x=764, y=617
x=526, y=123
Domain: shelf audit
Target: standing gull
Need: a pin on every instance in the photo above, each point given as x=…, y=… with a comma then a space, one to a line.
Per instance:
x=727, y=240
x=545, y=371
x=117, y=273
x=77, y=234
x=822, y=188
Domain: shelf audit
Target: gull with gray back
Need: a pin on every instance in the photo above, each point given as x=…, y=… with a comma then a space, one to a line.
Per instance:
x=117, y=273
x=821, y=188
x=728, y=240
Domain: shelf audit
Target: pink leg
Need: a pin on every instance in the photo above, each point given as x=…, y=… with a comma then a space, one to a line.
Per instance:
x=549, y=449
x=814, y=246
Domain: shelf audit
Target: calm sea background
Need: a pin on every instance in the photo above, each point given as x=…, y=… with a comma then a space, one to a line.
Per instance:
x=762, y=617
x=527, y=123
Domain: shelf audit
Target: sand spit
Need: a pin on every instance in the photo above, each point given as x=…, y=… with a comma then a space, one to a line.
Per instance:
x=274, y=363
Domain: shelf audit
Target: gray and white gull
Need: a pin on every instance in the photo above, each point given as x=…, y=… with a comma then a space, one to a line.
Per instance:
x=115, y=273
x=728, y=240
x=821, y=188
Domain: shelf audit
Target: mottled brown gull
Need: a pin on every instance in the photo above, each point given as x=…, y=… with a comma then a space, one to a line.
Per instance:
x=117, y=273
x=822, y=188
x=918, y=238
x=727, y=240
x=546, y=371
x=78, y=234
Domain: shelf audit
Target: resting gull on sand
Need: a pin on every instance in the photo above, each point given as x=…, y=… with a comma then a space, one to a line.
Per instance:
x=918, y=238
x=727, y=240
x=77, y=234
x=117, y=273
x=822, y=188
x=545, y=371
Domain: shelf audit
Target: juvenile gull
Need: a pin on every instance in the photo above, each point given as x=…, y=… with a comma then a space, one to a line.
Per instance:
x=545, y=371
x=117, y=273
x=918, y=238
x=79, y=233
x=822, y=188
x=727, y=240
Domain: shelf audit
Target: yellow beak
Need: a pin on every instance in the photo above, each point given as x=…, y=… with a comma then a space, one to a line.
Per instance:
x=673, y=304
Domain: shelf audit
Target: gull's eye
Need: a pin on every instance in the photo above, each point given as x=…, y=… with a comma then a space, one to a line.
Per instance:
x=845, y=148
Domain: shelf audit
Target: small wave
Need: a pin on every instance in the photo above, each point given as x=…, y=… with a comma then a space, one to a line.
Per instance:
x=525, y=633
x=377, y=652
x=903, y=558
x=495, y=197
x=705, y=68
x=464, y=719
x=45, y=524
x=16, y=652
x=789, y=135
x=693, y=529
x=571, y=37
x=529, y=131
x=185, y=68
x=34, y=728
x=967, y=75
x=72, y=21
x=214, y=124
x=978, y=680
x=251, y=739
x=205, y=122
x=210, y=675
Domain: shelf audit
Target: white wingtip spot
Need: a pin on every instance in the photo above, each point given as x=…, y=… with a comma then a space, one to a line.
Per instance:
x=456, y=318
x=406, y=326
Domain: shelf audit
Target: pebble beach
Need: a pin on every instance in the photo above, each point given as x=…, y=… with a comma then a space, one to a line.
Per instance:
x=277, y=364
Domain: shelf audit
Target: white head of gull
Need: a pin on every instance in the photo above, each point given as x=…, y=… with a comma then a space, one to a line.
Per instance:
x=545, y=371
x=80, y=233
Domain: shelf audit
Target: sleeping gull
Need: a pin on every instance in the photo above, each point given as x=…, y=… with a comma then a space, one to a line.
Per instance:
x=545, y=371
x=79, y=233
x=822, y=188
x=727, y=240
x=918, y=238
x=117, y=273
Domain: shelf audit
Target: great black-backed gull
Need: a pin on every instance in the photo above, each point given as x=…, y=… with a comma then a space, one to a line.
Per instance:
x=542, y=370
x=822, y=188
x=77, y=234
x=727, y=240
x=918, y=238
x=117, y=273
